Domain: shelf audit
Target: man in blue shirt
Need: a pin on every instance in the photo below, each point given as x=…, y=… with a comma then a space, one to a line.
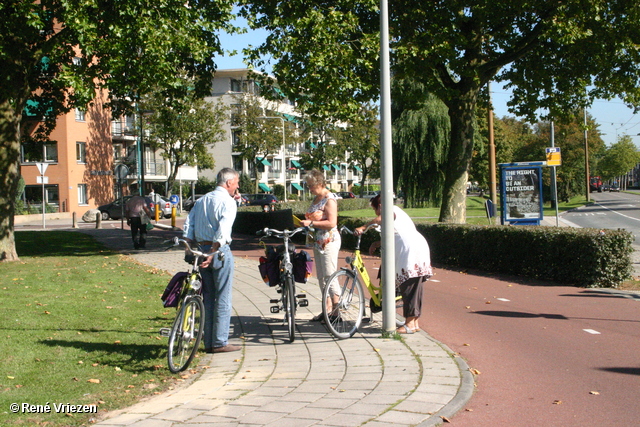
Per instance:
x=209, y=224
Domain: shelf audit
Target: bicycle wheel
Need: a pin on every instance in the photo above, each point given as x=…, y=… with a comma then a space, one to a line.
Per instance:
x=289, y=297
x=345, y=319
x=186, y=334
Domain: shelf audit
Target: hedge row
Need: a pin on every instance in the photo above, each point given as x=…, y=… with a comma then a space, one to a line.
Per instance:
x=583, y=257
x=302, y=206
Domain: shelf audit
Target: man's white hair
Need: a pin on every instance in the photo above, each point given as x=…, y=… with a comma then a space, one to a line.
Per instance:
x=225, y=175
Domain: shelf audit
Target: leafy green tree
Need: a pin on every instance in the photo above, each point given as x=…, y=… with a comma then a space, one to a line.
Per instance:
x=359, y=138
x=421, y=132
x=555, y=55
x=57, y=54
x=258, y=132
x=619, y=159
x=185, y=129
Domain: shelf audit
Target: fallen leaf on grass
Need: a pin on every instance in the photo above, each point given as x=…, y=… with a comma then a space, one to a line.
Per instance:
x=93, y=380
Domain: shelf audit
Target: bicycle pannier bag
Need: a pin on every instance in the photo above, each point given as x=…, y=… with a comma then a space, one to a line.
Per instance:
x=172, y=292
x=269, y=267
x=302, y=266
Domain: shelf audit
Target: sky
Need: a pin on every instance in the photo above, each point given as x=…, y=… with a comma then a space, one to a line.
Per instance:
x=614, y=118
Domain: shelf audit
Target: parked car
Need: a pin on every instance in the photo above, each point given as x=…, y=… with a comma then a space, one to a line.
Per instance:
x=606, y=187
x=115, y=209
x=614, y=187
x=165, y=208
x=188, y=204
x=345, y=195
x=261, y=199
x=369, y=194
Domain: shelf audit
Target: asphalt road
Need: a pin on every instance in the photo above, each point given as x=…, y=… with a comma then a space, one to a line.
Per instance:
x=610, y=210
x=543, y=355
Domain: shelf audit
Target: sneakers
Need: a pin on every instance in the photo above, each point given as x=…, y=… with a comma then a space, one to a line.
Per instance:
x=226, y=349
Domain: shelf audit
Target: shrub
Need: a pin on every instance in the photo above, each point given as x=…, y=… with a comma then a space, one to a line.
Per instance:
x=578, y=256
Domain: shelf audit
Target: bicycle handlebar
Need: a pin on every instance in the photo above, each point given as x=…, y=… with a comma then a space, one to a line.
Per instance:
x=344, y=228
x=280, y=234
x=176, y=242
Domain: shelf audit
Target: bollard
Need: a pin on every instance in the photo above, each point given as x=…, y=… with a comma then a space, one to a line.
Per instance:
x=99, y=220
x=158, y=207
x=173, y=216
x=74, y=221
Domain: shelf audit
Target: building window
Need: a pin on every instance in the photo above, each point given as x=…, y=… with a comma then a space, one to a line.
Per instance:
x=277, y=166
x=82, y=194
x=236, y=85
x=117, y=153
x=80, y=115
x=237, y=163
x=38, y=152
x=51, y=153
x=80, y=152
x=235, y=139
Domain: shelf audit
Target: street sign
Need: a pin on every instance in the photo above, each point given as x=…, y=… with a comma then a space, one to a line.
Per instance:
x=42, y=167
x=553, y=156
x=121, y=172
x=42, y=179
x=174, y=199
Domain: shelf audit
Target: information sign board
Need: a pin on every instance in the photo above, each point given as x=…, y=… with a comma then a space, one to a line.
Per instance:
x=521, y=194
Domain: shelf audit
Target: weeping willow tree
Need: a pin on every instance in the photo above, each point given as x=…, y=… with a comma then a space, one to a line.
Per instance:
x=421, y=130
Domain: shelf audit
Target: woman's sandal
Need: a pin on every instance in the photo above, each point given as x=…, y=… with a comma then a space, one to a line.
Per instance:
x=404, y=330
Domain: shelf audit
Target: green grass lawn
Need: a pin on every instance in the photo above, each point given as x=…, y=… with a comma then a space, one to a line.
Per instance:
x=476, y=213
x=79, y=326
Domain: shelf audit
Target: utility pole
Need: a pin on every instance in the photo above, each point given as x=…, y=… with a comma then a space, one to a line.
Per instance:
x=492, y=154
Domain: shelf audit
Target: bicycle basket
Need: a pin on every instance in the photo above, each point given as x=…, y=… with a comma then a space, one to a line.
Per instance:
x=302, y=266
x=171, y=293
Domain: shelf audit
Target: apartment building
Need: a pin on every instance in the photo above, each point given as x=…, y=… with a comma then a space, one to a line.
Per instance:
x=284, y=167
x=82, y=158
x=88, y=146
x=79, y=163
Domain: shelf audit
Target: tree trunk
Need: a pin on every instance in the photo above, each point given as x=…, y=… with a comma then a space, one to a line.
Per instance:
x=454, y=198
x=9, y=177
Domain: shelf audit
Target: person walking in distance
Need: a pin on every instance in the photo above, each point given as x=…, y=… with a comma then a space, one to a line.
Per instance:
x=135, y=209
x=209, y=225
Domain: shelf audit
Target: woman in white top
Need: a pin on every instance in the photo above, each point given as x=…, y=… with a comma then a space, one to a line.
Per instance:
x=322, y=215
x=413, y=263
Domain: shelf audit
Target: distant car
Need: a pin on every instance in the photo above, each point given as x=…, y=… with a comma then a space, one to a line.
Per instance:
x=115, y=209
x=614, y=187
x=165, y=207
x=261, y=199
x=369, y=194
x=188, y=204
x=606, y=187
x=346, y=195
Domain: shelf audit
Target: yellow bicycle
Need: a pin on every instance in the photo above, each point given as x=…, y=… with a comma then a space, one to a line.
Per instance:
x=188, y=327
x=345, y=318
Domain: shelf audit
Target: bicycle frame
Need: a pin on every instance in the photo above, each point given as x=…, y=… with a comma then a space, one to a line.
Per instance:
x=288, y=300
x=356, y=264
x=188, y=327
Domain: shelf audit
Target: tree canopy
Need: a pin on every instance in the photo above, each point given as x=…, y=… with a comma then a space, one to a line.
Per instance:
x=556, y=55
x=185, y=129
x=57, y=54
